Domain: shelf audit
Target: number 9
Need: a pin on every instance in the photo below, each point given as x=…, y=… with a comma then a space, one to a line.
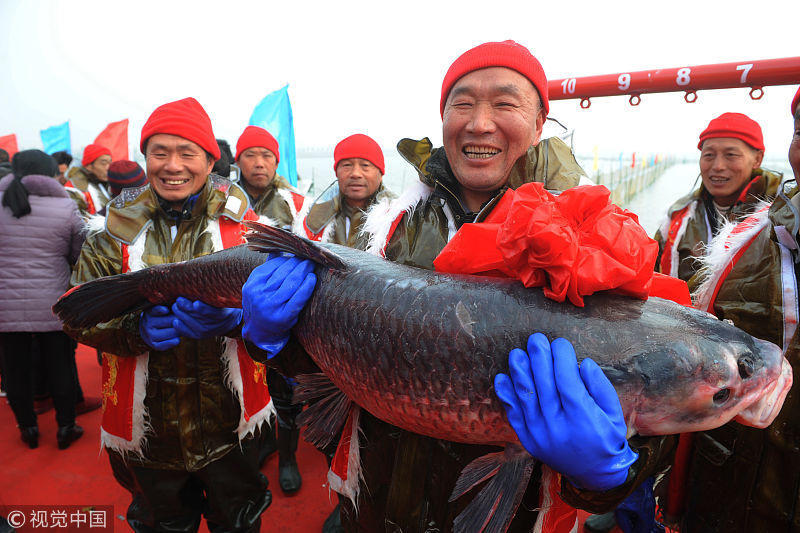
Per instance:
x=624, y=82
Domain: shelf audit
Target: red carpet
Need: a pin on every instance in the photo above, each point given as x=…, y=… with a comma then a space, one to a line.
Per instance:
x=80, y=475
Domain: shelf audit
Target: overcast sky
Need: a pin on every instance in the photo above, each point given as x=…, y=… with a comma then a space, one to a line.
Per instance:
x=374, y=67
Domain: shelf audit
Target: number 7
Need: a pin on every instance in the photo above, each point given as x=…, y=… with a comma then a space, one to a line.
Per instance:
x=745, y=69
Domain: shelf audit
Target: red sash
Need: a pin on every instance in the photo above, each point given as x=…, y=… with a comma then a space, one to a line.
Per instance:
x=677, y=221
x=90, y=207
x=125, y=378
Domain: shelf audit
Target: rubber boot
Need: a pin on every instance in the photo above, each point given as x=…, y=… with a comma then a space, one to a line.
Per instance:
x=288, y=474
x=267, y=444
x=333, y=524
x=600, y=523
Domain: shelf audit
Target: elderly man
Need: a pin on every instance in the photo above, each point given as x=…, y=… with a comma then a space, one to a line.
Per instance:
x=359, y=167
x=177, y=397
x=494, y=104
x=742, y=479
x=733, y=184
x=87, y=184
x=277, y=204
x=270, y=194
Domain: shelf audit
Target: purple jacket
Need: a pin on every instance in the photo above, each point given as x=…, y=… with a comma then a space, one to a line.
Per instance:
x=36, y=254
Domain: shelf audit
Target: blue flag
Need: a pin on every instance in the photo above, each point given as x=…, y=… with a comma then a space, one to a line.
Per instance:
x=274, y=114
x=56, y=138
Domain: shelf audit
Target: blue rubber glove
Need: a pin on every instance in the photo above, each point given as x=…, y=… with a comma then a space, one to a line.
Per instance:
x=157, y=328
x=568, y=417
x=272, y=298
x=637, y=513
x=198, y=320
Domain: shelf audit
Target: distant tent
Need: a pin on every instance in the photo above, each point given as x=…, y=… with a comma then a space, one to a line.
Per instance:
x=115, y=138
x=56, y=138
x=9, y=144
x=274, y=114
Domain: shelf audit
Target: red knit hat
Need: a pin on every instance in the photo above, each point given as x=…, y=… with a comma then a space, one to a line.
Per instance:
x=504, y=54
x=124, y=174
x=255, y=136
x=795, y=101
x=734, y=125
x=359, y=145
x=92, y=152
x=185, y=118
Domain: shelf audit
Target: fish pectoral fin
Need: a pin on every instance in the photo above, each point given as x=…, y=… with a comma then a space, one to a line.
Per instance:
x=327, y=410
x=494, y=507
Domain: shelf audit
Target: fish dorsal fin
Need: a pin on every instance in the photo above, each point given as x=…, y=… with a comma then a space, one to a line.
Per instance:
x=495, y=505
x=263, y=238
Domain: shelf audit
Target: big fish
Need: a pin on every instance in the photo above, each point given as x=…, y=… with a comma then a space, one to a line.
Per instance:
x=419, y=349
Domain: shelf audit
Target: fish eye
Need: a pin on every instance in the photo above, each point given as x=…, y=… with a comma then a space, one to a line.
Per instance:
x=722, y=396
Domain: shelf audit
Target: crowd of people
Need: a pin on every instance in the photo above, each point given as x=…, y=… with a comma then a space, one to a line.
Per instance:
x=194, y=386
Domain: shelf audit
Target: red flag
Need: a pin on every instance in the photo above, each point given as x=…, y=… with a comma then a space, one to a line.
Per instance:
x=9, y=144
x=115, y=138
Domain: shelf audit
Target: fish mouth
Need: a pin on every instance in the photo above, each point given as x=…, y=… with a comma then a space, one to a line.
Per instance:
x=763, y=394
x=764, y=407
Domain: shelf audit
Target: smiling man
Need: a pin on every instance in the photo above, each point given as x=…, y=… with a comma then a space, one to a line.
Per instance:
x=733, y=184
x=494, y=103
x=175, y=388
x=741, y=479
x=359, y=167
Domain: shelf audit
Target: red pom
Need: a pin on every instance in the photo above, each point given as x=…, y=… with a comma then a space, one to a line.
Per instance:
x=572, y=245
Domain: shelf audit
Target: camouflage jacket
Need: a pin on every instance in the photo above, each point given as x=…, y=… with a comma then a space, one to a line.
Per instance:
x=89, y=193
x=409, y=477
x=278, y=205
x=743, y=479
x=693, y=223
x=193, y=415
x=334, y=221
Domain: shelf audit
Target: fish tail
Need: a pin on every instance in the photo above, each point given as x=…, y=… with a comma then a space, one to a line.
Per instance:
x=265, y=238
x=101, y=300
x=492, y=510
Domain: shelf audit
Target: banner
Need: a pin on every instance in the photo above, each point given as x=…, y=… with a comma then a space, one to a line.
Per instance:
x=9, y=144
x=274, y=114
x=56, y=138
x=115, y=138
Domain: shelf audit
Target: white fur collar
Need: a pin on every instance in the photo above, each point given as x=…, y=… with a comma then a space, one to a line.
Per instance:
x=381, y=215
x=721, y=250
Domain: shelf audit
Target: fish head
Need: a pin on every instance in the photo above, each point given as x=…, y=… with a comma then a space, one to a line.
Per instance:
x=703, y=382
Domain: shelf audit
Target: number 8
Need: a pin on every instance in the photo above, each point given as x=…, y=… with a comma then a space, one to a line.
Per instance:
x=683, y=76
